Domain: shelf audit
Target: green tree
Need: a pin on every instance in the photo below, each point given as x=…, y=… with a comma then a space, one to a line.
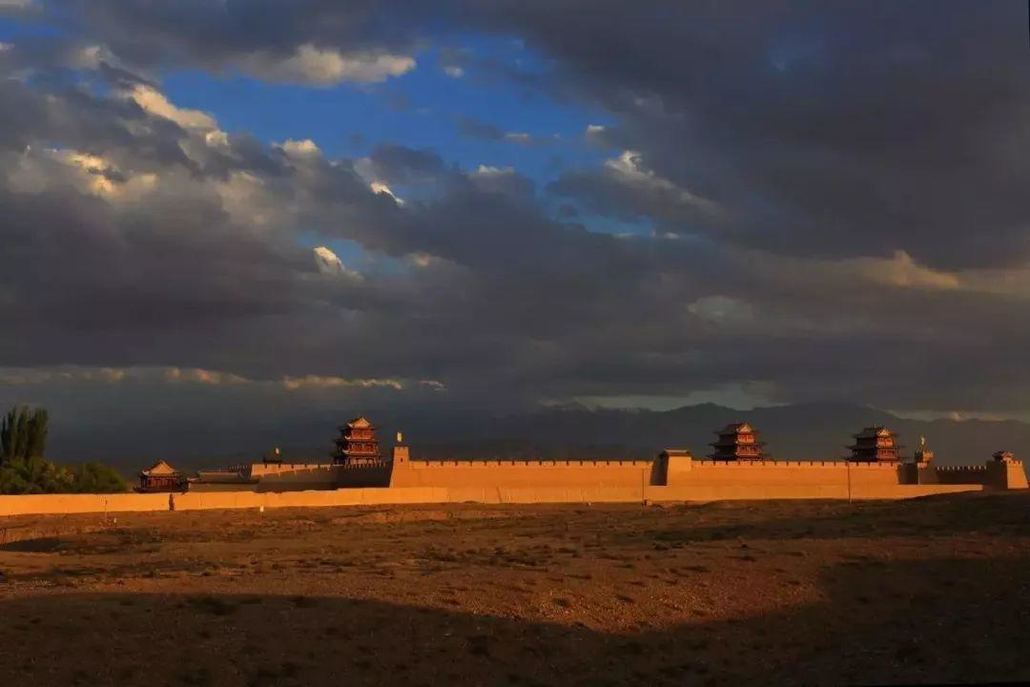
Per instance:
x=38, y=430
x=23, y=470
x=23, y=433
x=8, y=428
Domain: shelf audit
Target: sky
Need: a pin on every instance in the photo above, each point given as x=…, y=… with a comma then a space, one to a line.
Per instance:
x=216, y=213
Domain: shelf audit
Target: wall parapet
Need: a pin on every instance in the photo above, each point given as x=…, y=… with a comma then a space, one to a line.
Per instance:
x=268, y=469
x=842, y=464
x=543, y=462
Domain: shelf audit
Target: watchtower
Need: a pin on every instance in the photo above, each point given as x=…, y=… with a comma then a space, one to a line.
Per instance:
x=737, y=441
x=875, y=444
x=357, y=443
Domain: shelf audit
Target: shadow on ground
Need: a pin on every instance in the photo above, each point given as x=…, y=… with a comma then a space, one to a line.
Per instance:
x=945, y=621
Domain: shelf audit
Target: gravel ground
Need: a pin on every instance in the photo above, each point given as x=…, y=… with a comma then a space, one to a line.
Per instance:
x=921, y=591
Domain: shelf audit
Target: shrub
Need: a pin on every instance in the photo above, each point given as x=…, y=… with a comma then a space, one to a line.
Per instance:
x=97, y=478
x=34, y=476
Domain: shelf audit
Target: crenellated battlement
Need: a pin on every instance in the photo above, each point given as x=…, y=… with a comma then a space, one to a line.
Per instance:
x=538, y=463
x=793, y=464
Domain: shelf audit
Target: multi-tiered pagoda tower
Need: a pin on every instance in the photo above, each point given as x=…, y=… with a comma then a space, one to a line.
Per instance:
x=875, y=444
x=738, y=441
x=357, y=444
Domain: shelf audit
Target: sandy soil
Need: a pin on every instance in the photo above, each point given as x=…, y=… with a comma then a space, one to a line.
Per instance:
x=929, y=590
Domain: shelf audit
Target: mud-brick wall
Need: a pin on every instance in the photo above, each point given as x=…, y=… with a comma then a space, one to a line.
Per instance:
x=304, y=476
x=993, y=475
x=36, y=504
x=633, y=474
x=785, y=479
x=965, y=474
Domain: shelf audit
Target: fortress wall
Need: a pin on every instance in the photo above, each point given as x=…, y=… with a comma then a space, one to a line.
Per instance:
x=965, y=474
x=190, y=501
x=302, y=476
x=909, y=491
x=523, y=473
x=553, y=482
x=36, y=504
x=1015, y=475
x=823, y=476
x=259, y=470
x=758, y=492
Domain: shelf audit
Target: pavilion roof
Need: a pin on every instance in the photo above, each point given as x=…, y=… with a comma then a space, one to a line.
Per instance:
x=736, y=427
x=161, y=468
x=874, y=432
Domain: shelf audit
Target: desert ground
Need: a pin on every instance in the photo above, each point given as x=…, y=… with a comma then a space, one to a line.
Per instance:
x=929, y=590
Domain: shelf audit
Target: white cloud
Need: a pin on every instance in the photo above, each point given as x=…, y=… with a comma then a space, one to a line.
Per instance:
x=35, y=171
x=320, y=382
x=69, y=374
x=331, y=382
x=423, y=260
x=902, y=271
x=595, y=133
x=719, y=309
x=217, y=139
x=629, y=169
x=249, y=203
x=31, y=376
x=66, y=374
x=155, y=102
x=300, y=149
x=378, y=187
x=198, y=375
x=453, y=71
x=326, y=67
x=491, y=172
x=91, y=56
x=328, y=262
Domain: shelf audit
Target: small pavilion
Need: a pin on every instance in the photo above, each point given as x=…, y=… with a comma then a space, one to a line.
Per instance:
x=161, y=476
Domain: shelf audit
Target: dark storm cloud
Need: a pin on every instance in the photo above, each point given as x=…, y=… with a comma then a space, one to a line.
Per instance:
x=397, y=164
x=836, y=194
x=832, y=129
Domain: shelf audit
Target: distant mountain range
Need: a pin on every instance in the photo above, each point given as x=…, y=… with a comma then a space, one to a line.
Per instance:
x=809, y=431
